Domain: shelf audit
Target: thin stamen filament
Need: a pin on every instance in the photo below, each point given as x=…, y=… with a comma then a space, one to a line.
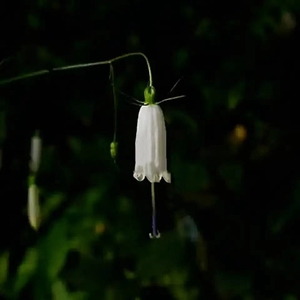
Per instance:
x=155, y=233
x=172, y=98
x=153, y=208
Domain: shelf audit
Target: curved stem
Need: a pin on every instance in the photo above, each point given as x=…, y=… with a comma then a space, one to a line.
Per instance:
x=112, y=79
x=105, y=62
x=33, y=74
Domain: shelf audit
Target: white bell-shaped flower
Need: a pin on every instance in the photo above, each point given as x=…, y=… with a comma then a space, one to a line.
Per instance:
x=150, y=143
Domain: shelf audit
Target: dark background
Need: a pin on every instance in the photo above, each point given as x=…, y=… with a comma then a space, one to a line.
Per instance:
x=233, y=151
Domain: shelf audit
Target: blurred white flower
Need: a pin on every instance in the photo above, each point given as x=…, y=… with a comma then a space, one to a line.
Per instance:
x=33, y=204
x=33, y=209
x=35, y=153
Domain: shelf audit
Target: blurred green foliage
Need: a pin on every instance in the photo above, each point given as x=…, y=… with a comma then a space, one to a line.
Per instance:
x=233, y=151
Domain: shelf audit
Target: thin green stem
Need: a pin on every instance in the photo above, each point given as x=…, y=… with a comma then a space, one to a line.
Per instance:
x=33, y=74
x=105, y=62
x=112, y=78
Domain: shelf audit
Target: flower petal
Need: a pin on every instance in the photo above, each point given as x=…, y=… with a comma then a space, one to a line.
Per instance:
x=150, y=145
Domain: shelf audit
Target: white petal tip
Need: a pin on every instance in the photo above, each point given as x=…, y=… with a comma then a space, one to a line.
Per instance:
x=167, y=177
x=153, y=177
x=154, y=235
x=139, y=176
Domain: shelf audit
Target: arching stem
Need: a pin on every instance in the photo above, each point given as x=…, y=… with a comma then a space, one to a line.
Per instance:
x=114, y=143
x=112, y=79
x=105, y=62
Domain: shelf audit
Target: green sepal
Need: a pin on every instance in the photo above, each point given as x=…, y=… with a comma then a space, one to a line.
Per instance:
x=113, y=149
x=149, y=94
x=31, y=180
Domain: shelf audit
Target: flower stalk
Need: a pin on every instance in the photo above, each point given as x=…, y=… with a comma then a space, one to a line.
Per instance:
x=78, y=66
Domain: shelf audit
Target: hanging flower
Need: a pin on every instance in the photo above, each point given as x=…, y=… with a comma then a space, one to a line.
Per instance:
x=33, y=205
x=150, y=147
x=33, y=208
x=150, y=143
x=35, y=153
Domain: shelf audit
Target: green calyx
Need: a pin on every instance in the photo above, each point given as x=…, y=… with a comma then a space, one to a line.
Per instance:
x=149, y=94
x=113, y=149
x=31, y=180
